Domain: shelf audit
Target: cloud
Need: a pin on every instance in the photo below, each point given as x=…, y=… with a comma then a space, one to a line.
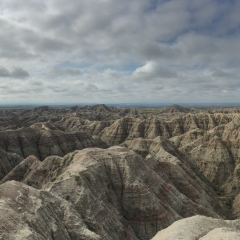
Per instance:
x=17, y=72
x=4, y=72
x=120, y=50
x=57, y=71
x=152, y=71
x=221, y=74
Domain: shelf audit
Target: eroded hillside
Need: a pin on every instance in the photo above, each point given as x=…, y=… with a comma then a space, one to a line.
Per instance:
x=101, y=172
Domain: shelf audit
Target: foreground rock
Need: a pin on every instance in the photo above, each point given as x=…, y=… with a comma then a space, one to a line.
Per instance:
x=30, y=214
x=120, y=195
x=201, y=228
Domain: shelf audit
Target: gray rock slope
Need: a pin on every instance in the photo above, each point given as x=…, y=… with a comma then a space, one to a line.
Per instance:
x=115, y=193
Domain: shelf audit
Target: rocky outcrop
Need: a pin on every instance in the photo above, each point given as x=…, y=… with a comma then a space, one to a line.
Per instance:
x=140, y=146
x=74, y=123
x=130, y=128
x=22, y=170
x=45, y=126
x=201, y=228
x=224, y=110
x=19, y=144
x=216, y=153
x=162, y=149
x=210, y=153
x=27, y=214
x=8, y=161
x=177, y=109
x=102, y=112
x=18, y=118
x=119, y=194
x=127, y=192
x=14, y=118
x=236, y=206
x=119, y=131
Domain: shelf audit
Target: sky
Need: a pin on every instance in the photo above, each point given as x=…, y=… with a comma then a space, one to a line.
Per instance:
x=111, y=51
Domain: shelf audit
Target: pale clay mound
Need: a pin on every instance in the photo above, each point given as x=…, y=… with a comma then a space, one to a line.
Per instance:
x=201, y=228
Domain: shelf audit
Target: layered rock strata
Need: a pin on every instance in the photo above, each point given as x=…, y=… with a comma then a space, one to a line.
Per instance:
x=16, y=145
x=31, y=214
x=18, y=118
x=131, y=128
x=177, y=109
x=119, y=194
x=216, y=153
x=163, y=150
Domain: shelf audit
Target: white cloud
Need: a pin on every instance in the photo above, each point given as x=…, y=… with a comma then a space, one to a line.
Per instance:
x=56, y=71
x=152, y=71
x=120, y=50
x=17, y=72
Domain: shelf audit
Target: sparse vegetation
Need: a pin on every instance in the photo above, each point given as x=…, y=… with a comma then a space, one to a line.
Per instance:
x=90, y=225
x=53, y=178
x=78, y=179
x=85, y=175
x=68, y=158
x=67, y=197
x=149, y=110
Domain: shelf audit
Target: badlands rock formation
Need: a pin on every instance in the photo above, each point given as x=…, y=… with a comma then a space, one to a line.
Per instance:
x=216, y=153
x=201, y=228
x=177, y=109
x=75, y=123
x=170, y=165
x=131, y=128
x=30, y=214
x=16, y=145
x=17, y=118
x=118, y=194
x=212, y=142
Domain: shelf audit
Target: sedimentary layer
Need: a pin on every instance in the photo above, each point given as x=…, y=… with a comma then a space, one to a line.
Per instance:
x=119, y=194
x=16, y=145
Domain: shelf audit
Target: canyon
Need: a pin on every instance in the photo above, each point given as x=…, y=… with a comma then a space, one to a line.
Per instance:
x=99, y=172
